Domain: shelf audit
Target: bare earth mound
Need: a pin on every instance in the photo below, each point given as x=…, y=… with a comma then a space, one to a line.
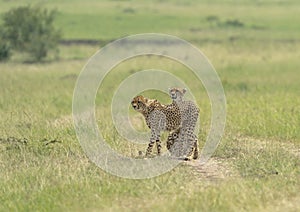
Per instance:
x=214, y=169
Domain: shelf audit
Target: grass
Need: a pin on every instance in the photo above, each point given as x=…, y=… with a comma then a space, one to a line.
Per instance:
x=258, y=68
x=107, y=20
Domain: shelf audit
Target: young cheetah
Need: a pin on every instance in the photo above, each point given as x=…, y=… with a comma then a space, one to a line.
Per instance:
x=158, y=118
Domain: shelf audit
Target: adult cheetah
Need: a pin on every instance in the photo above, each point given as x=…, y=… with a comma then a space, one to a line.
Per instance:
x=158, y=118
x=189, y=116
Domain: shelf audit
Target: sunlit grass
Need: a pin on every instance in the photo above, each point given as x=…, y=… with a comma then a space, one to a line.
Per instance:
x=259, y=72
x=36, y=104
x=106, y=20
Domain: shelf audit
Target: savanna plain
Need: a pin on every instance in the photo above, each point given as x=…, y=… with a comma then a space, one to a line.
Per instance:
x=254, y=47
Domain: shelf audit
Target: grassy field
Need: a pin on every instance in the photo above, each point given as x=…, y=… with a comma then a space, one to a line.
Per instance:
x=254, y=46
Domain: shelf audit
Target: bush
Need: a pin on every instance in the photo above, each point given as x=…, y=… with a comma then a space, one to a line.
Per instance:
x=4, y=51
x=30, y=29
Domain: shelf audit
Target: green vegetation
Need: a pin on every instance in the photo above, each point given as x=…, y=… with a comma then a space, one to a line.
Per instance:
x=30, y=29
x=254, y=47
x=4, y=51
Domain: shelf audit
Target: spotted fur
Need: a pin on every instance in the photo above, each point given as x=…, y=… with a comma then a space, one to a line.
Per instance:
x=158, y=118
x=176, y=146
x=189, y=116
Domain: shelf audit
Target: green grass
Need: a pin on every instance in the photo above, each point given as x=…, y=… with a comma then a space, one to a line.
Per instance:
x=257, y=63
x=107, y=20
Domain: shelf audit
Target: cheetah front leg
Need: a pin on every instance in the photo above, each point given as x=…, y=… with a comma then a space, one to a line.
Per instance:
x=154, y=138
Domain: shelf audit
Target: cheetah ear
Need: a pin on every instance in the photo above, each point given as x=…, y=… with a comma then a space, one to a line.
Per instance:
x=184, y=90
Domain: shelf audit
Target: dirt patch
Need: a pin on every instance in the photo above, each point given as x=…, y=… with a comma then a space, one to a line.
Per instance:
x=222, y=168
x=214, y=169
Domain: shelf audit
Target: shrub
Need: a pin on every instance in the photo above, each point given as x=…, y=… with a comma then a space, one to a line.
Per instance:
x=234, y=23
x=30, y=29
x=4, y=51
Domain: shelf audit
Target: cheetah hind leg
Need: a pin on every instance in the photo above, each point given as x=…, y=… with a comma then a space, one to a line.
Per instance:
x=170, y=142
x=193, y=153
x=158, y=145
x=149, y=149
x=176, y=149
x=196, y=153
x=155, y=137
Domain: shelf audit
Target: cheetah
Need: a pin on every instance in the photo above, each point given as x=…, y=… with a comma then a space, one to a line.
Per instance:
x=158, y=118
x=189, y=116
x=175, y=146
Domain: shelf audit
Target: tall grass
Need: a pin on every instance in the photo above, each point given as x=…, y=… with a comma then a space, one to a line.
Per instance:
x=42, y=166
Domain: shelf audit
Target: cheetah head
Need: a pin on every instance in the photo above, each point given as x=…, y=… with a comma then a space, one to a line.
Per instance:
x=139, y=103
x=144, y=105
x=177, y=93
